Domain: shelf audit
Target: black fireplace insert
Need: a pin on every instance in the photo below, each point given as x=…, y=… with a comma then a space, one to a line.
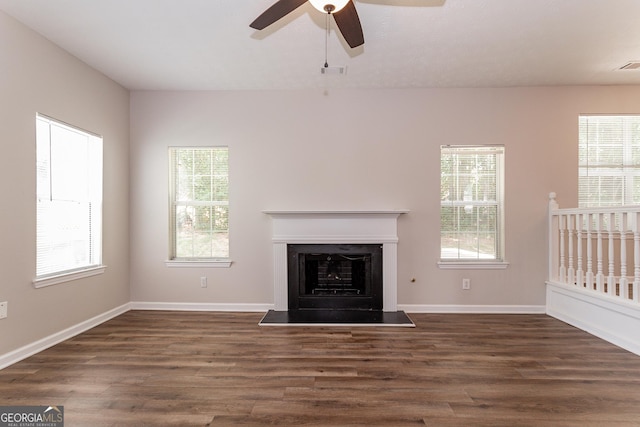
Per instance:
x=335, y=276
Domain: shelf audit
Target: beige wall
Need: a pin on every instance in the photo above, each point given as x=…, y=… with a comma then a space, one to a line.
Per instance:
x=36, y=76
x=361, y=149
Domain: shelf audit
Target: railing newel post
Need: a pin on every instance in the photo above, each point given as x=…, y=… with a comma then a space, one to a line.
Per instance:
x=553, y=236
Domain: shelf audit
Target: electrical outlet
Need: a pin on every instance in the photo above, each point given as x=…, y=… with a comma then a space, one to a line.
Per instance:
x=203, y=282
x=466, y=284
x=3, y=309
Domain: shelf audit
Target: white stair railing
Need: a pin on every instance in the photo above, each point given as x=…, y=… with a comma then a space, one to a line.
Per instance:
x=574, y=233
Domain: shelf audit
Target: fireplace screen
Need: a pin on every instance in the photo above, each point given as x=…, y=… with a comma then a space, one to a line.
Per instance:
x=335, y=276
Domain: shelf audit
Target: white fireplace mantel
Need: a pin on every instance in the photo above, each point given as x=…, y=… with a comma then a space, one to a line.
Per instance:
x=335, y=227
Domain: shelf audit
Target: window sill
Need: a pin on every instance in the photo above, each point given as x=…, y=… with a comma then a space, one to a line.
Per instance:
x=68, y=277
x=473, y=265
x=209, y=263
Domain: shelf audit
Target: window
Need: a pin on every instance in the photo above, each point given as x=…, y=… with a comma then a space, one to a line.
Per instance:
x=69, y=202
x=471, y=206
x=199, y=199
x=609, y=161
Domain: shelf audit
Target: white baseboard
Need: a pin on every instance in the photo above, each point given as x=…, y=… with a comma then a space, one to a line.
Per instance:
x=476, y=309
x=189, y=306
x=409, y=308
x=19, y=354
x=617, y=322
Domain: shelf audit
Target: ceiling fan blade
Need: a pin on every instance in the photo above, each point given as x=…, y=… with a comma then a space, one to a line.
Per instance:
x=349, y=24
x=278, y=10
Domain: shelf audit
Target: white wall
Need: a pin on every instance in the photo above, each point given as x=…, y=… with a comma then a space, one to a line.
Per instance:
x=361, y=149
x=36, y=76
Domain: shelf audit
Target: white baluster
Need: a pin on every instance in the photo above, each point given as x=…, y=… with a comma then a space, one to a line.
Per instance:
x=623, y=283
x=563, y=269
x=611, y=279
x=571, y=271
x=579, y=271
x=599, y=271
x=589, y=230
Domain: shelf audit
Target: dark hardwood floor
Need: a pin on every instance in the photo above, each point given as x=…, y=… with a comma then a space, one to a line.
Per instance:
x=221, y=369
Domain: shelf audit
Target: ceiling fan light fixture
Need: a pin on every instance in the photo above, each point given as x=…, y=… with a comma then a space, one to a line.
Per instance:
x=329, y=6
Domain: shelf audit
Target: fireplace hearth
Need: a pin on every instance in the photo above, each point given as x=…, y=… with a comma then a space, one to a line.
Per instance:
x=335, y=276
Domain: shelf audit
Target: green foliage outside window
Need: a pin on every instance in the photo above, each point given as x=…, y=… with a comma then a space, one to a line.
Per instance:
x=200, y=203
x=470, y=215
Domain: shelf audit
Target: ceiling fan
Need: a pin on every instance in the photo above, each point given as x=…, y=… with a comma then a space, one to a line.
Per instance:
x=343, y=11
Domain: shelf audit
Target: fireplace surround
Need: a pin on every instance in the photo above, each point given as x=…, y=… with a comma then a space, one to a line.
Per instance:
x=371, y=227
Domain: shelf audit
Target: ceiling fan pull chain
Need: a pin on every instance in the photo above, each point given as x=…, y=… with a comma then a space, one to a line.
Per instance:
x=326, y=41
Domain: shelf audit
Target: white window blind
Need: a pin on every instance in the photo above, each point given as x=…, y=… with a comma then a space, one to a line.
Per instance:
x=471, y=203
x=69, y=198
x=609, y=160
x=199, y=203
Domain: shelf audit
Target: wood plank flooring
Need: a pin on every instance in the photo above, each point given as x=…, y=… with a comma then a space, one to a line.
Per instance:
x=221, y=369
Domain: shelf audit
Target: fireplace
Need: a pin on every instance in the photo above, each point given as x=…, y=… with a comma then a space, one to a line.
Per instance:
x=335, y=276
x=340, y=229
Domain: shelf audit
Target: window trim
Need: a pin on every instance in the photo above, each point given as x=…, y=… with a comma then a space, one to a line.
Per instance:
x=200, y=263
x=64, y=277
x=472, y=265
x=185, y=262
x=475, y=263
x=88, y=270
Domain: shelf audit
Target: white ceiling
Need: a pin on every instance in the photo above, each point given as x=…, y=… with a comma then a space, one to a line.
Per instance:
x=208, y=44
